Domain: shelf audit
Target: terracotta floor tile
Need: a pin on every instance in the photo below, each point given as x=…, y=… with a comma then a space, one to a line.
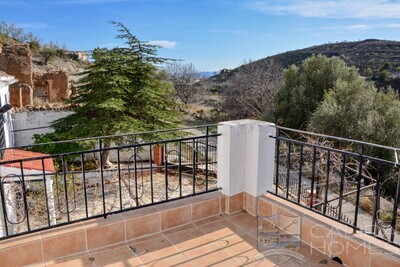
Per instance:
x=313, y=257
x=154, y=249
x=77, y=261
x=221, y=229
x=215, y=241
x=175, y=260
x=251, y=256
x=121, y=257
x=202, y=250
x=107, y=248
x=236, y=245
x=211, y=254
x=245, y=221
x=260, y=263
x=208, y=220
x=229, y=216
x=179, y=228
x=142, y=239
x=188, y=239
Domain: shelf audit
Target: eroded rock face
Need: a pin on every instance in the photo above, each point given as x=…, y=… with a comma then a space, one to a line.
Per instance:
x=16, y=60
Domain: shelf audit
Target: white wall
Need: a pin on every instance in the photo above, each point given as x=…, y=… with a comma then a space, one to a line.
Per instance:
x=34, y=119
x=5, y=81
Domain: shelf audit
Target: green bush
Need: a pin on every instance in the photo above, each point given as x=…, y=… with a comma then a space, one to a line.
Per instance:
x=304, y=88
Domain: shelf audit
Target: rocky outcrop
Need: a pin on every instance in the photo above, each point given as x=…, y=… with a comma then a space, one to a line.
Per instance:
x=16, y=60
x=31, y=88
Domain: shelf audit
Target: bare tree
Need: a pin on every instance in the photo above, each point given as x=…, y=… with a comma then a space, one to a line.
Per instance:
x=251, y=90
x=187, y=81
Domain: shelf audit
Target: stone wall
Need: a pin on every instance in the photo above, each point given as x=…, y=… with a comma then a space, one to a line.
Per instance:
x=51, y=86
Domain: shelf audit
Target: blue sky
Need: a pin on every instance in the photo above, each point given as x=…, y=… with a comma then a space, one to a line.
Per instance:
x=211, y=34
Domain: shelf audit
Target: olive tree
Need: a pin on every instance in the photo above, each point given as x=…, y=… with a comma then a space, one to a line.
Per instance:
x=304, y=88
x=357, y=110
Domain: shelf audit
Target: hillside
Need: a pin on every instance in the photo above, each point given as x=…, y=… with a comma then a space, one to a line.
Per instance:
x=57, y=63
x=370, y=53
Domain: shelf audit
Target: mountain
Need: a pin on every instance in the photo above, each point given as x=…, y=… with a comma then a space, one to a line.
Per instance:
x=369, y=53
x=207, y=74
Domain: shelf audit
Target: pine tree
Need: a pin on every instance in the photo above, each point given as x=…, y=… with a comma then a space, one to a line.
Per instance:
x=123, y=91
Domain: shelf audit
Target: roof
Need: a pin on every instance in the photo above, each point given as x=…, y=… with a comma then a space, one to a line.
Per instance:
x=16, y=154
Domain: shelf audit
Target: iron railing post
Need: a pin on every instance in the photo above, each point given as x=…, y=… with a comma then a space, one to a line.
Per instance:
x=84, y=184
x=102, y=177
x=359, y=176
x=374, y=229
x=300, y=173
x=151, y=173
x=395, y=206
x=206, y=152
x=327, y=181
x=119, y=178
x=288, y=170
x=313, y=176
x=277, y=162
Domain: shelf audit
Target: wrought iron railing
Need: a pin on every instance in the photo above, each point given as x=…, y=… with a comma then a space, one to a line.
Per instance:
x=340, y=179
x=53, y=190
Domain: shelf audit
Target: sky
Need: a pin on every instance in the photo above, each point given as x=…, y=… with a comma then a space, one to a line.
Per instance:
x=211, y=34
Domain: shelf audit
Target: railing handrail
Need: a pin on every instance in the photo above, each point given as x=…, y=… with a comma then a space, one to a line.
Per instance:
x=395, y=149
x=110, y=136
x=321, y=182
x=96, y=150
x=349, y=153
x=132, y=185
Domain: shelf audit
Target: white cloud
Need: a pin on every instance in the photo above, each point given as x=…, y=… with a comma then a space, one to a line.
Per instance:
x=362, y=26
x=393, y=25
x=339, y=9
x=32, y=26
x=164, y=44
x=359, y=27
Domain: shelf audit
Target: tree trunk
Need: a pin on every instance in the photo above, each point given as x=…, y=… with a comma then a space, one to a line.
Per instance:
x=105, y=155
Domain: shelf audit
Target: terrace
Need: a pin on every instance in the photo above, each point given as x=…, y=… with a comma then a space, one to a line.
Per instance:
x=249, y=194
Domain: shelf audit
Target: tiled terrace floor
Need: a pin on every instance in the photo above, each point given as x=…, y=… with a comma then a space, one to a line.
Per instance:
x=227, y=240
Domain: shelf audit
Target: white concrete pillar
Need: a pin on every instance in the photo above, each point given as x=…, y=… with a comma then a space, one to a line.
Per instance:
x=50, y=201
x=246, y=157
x=11, y=207
x=231, y=153
x=2, y=221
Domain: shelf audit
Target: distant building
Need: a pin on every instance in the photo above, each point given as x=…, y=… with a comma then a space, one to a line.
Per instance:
x=80, y=55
